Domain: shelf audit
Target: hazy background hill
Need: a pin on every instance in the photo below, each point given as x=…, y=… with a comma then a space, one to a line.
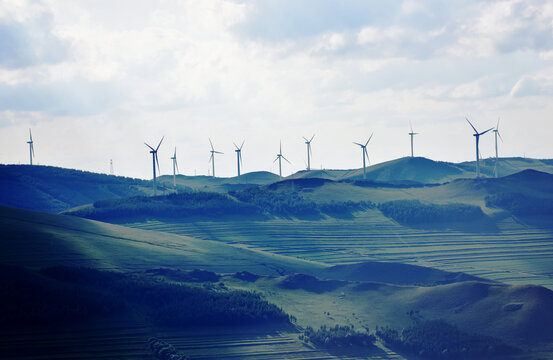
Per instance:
x=220, y=184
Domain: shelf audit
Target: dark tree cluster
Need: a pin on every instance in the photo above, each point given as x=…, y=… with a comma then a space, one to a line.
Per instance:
x=162, y=350
x=65, y=293
x=437, y=339
x=520, y=204
x=29, y=298
x=338, y=336
x=292, y=204
x=173, y=206
x=414, y=212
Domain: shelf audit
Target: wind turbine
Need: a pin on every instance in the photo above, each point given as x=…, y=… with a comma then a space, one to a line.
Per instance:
x=155, y=161
x=279, y=158
x=477, y=135
x=175, y=168
x=212, y=157
x=365, y=153
x=239, y=156
x=31, y=148
x=412, y=134
x=496, y=131
x=309, y=153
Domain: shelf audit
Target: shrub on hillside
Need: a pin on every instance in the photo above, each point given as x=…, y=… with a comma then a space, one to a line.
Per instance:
x=277, y=203
x=174, y=206
x=291, y=203
x=521, y=205
x=437, y=339
x=414, y=212
x=338, y=336
x=173, y=304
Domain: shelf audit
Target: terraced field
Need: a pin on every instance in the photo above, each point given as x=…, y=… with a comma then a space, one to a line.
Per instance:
x=126, y=342
x=246, y=343
x=515, y=253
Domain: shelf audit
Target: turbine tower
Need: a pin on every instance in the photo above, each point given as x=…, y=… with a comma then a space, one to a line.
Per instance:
x=309, y=153
x=412, y=133
x=31, y=147
x=477, y=136
x=212, y=157
x=496, y=131
x=239, y=156
x=365, y=153
x=155, y=161
x=175, y=168
x=111, y=166
x=279, y=158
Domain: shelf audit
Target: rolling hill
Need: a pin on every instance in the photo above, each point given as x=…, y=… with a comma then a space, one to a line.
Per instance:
x=426, y=171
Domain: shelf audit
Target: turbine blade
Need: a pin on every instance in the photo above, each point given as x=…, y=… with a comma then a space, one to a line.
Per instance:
x=157, y=162
x=240, y=156
x=175, y=153
x=498, y=134
x=471, y=125
x=218, y=152
x=305, y=138
x=286, y=160
x=149, y=146
x=242, y=144
x=177, y=166
x=411, y=125
x=367, y=143
x=312, y=138
x=276, y=159
x=210, y=143
x=210, y=159
x=482, y=133
x=30, y=135
x=236, y=146
x=357, y=144
x=280, y=147
x=158, y=145
x=365, y=153
x=32, y=149
x=497, y=126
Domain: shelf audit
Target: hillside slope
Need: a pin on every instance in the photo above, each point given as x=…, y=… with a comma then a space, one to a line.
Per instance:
x=34, y=239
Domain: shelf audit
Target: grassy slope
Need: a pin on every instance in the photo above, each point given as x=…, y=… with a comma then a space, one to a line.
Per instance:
x=34, y=239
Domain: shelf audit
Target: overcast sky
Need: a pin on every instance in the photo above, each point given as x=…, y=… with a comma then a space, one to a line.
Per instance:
x=95, y=79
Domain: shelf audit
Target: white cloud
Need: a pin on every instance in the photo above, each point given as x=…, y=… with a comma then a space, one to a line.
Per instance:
x=264, y=71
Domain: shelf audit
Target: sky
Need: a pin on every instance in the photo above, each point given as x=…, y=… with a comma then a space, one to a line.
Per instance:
x=95, y=79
